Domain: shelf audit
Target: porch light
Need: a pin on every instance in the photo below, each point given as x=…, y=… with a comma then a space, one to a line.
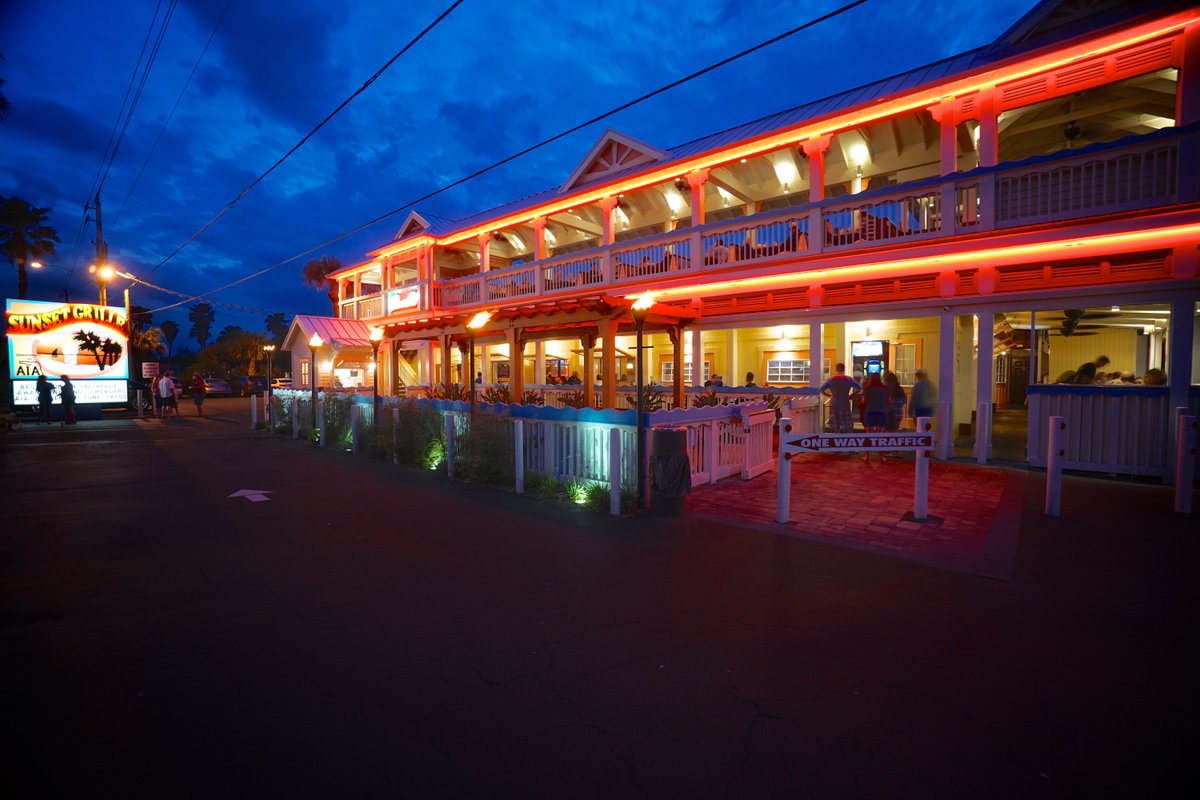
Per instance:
x=859, y=154
x=477, y=322
x=674, y=200
x=785, y=172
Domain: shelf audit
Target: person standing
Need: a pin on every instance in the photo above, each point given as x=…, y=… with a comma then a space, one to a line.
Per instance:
x=166, y=396
x=750, y=380
x=923, y=400
x=877, y=402
x=198, y=391
x=898, y=400
x=45, y=396
x=840, y=389
x=67, y=393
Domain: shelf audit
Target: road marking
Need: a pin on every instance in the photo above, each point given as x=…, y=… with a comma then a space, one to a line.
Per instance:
x=253, y=495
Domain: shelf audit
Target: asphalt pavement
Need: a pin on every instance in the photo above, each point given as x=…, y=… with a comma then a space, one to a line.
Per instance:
x=369, y=630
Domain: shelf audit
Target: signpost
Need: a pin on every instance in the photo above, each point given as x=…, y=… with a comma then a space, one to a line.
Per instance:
x=921, y=442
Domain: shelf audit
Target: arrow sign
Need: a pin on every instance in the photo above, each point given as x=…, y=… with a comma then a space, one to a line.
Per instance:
x=253, y=495
x=841, y=442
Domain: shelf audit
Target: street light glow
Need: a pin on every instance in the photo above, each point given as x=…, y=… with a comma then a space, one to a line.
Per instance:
x=479, y=320
x=644, y=303
x=376, y=334
x=316, y=341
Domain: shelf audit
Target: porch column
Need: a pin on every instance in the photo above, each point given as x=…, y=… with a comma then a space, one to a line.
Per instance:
x=588, y=342
x=943, y=112
x=357, y=285
x=429, y=362
x=815, y=149
x=731, y=355
x=697, y=180
x=607, y=204
x=945, y=385
x=385, y=275
x=1180, y=344
x=539, y=361
x=675, y=333
x=485, y=251
x=516, y=364
x=608, y=362
x=985, y=386
x=1187, y=96
x=989, y=133
x=481, y=366
x=447, y=373
x=539, y=238
x=816, y=355
x=697, y=357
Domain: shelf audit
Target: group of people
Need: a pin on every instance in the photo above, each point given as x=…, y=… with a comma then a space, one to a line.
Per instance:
x=167, y=390
x=45, y=394
x=881, y=401
x=1093, y=373
x=571, y=380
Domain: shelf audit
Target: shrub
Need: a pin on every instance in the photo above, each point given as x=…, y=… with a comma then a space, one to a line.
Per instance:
x=533, y=398
x=337, y=419
x=573, y=399
x=654, y=398
x=449, y=392
x=705, y=399
x=497, y=394
x=542, y=486
x=484, y=454
x=418, y=438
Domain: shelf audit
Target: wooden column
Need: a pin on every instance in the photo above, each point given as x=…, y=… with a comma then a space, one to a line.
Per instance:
x=516, y=364
x=697, y=180
x=697, y=357
x=607, y=205
x=539, y=238
x=588, y=342
x=608, y=362
x=989, y=132
x=678, y=396
x=943, y=112
x=485, y=251
x=816, y=355
x=815, y=149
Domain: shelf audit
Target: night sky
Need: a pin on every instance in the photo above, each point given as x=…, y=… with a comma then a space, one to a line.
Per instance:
x=491, y=79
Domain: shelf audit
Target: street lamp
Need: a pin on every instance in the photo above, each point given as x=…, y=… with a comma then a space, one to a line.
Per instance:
x=376, y=338
x=641, y=310
x=269, y=349
x=313, y=345
x=477, y=322
x=104, y=273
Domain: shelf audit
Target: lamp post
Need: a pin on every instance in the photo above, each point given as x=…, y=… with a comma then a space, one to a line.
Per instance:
x=269, y=349
x=376, y=338
x=641, y=310
x=477, y=322
x=104, y=273
x=313, y=345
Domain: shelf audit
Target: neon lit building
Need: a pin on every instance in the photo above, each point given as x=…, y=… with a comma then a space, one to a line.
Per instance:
x=998, y=218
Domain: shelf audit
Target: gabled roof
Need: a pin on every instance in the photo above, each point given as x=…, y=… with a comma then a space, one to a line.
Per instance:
x=613, y=152
x=337, y=333
x=1063, y=19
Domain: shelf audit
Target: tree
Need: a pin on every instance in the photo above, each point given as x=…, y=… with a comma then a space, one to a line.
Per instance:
x=147, y=341
x=170, y=329
x=201, y=316
x=139, y=318
x=24, y=237
x=277, y=326
x=316, y=274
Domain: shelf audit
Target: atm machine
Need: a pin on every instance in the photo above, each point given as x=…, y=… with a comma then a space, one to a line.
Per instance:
x=871, y=356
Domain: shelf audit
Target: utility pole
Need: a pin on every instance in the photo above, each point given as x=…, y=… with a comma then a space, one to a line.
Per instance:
x=101, y=254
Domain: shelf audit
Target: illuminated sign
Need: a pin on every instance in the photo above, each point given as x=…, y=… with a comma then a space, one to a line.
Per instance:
x=84, y=342
x=862, y=349
x=86, y=391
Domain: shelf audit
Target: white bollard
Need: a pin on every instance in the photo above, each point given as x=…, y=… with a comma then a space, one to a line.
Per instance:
x=354, y=414
x=141, y=411
x=519, y=454
x=450, y=444
x=783, y=492
x=253, y=412
x=1055, y=452
x=921, y=489
x=395, y=427
x=614, y=471
x=295, y=418
x=321, y=419
x=1185, y=463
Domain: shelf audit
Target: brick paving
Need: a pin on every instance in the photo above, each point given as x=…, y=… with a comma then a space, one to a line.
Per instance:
x=973, y=511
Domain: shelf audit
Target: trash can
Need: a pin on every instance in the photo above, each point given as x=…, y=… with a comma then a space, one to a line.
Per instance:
x=670, y=472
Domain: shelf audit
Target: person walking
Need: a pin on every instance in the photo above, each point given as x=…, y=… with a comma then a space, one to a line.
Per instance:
x=67, y=393
x=898, y=401
x=923, y=400
x=45, y=396
x=841, y=390
x=198, y=391
x=877, y=402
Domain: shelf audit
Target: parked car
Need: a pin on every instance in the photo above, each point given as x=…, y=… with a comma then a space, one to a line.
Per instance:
x=253, y=385
x=281, y=383
x=217, y=387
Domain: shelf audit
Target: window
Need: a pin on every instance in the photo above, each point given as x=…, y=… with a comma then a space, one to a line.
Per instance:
x=904, y=362
x=1001, y=367
x=304, y=381
x=791, y=370
x=668, y=371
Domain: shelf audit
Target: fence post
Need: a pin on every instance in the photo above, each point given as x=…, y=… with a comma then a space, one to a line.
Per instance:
x=1056, y=434
x=614, y=471
x=141, y=411
x=295, y=417
x=253, y=412
x=921, y=490
x=1185, y=463
x=354, y=428
x=395, y=425
x=747, y=445
x=519, y=453
x=321, y=418
x=449, y=444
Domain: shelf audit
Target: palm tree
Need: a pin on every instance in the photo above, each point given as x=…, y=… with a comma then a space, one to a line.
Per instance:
x=277, y=326
x=170, y=329
x=110, y=352
x=140, y=318
x=201, y=316
x=24, y=237
x=316, y=274
x=91, y=343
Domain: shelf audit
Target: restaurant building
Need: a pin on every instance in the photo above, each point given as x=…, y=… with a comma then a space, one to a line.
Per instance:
x=997, y=218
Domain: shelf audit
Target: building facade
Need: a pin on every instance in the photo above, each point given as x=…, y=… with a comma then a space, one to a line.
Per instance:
x=997, y=218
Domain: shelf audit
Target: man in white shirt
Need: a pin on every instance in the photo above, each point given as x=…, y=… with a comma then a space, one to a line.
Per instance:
x=166, y=396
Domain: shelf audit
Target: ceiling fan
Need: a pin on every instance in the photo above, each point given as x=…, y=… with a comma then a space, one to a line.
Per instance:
x=1070, y=325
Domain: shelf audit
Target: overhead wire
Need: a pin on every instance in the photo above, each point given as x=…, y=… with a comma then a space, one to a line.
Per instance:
x=599, y=117
x=229, y=206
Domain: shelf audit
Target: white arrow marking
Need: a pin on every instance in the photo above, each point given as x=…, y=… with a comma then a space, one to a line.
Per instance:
x=253, y=495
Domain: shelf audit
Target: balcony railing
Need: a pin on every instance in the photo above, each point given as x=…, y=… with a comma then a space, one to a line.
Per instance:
x=1120, y=176
x=362, y=307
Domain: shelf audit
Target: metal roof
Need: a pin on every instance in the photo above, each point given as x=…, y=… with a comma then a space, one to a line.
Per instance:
x=337, y=333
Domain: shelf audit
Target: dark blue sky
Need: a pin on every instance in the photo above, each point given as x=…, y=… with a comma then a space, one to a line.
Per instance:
x=493, y=78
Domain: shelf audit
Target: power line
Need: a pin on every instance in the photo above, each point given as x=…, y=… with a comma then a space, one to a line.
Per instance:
x=679, y=82
x=229, y=206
